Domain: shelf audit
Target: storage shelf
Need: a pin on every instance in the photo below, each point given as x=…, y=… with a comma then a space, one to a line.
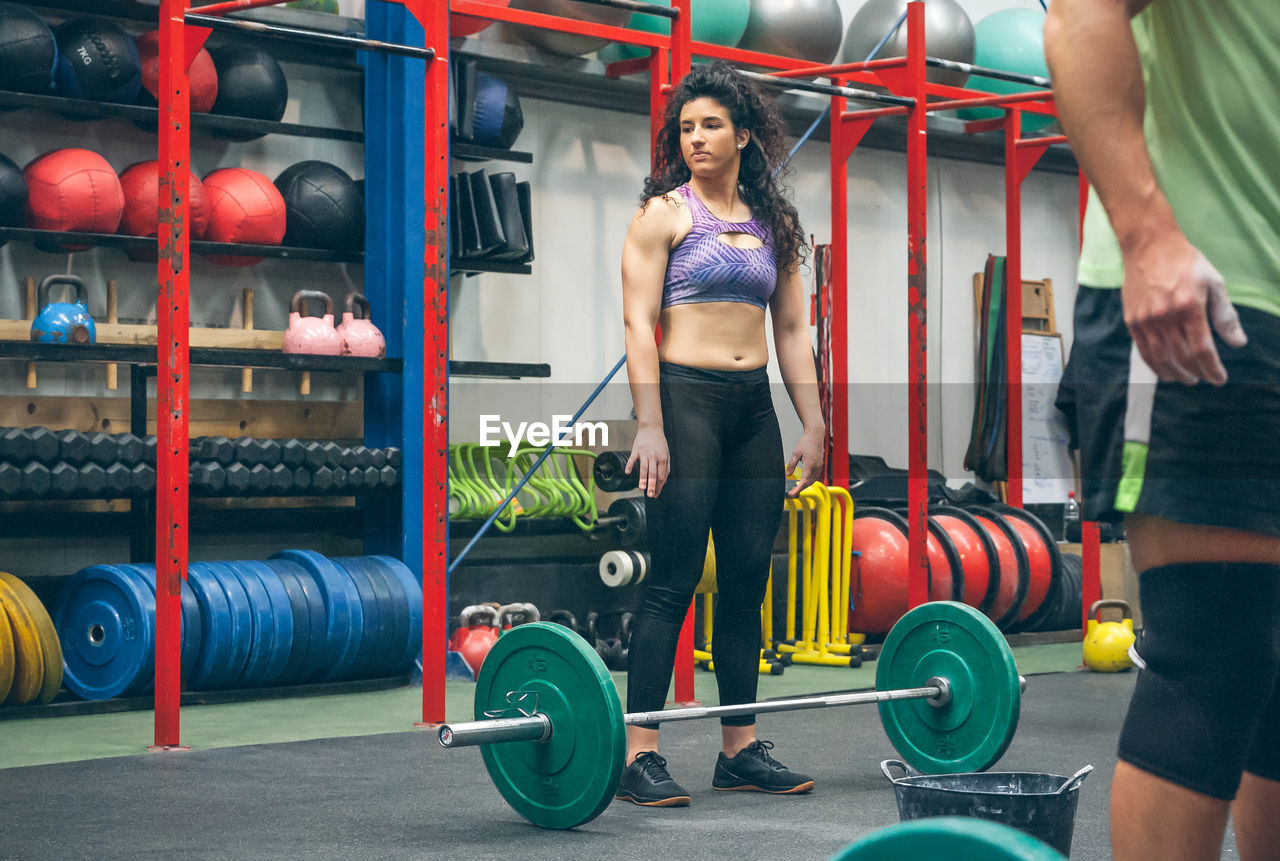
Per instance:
x=462, y=150
x=129, y=354
x=144, y=114
x=231, y=249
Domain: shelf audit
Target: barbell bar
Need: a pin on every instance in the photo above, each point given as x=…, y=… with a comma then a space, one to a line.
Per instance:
x=553, y=735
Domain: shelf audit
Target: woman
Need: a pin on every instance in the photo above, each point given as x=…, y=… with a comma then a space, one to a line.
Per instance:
x=713, y=245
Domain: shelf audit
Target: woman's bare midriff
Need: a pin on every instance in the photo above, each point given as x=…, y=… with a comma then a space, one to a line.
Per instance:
x=723, y=336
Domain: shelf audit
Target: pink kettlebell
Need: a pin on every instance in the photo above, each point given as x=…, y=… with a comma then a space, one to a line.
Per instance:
x=359, y=336
x=313, y=335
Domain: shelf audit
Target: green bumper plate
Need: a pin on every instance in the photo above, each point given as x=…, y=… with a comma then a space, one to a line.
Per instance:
x=569, y=779
x=954, y=838
x=955, y=642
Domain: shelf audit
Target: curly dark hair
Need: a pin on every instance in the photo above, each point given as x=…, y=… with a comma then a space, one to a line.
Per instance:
x=758, y=171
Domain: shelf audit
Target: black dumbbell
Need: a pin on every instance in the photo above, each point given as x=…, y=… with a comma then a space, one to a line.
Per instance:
x=388, y=477
x=395, y=458
x=313, y=455
x=281, y=480
x=347, y=457
x=143, y=480
x=36, y=481
x=293, y=453
x=208, y=478
x=355, y=479
x=247, y=451
x=92, y=481
x=20, y=446
x=101, y=448
x=119, y=481
x=301, y=479
x=217, y=449
x=340, y=484
x=269, y=452
x=377, y=457
x=237, y=479
x=610, y=472
x=64, y=480
x=322, y=479
x=73, y=447
x=332, y=454
x=130, y=450
x=149, y=449
x=10, y=480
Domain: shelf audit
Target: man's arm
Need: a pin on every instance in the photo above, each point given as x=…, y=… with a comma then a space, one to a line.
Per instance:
x=1170, y=289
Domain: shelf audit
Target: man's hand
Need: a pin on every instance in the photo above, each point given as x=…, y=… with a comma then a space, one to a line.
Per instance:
x=1174, y=300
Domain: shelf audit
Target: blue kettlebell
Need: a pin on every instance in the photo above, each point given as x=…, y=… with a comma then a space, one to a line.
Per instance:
x=63, y=322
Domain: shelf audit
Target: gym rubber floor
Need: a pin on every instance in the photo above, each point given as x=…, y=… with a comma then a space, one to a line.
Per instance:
x=398, y=794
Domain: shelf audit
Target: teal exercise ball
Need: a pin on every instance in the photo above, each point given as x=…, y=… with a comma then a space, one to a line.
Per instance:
x=568, y=44
x=801, y=29
x=720, y=22
x=1011, y=40
x=948, y=35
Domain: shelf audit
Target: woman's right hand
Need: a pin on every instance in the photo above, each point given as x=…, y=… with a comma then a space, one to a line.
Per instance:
x=649, y=455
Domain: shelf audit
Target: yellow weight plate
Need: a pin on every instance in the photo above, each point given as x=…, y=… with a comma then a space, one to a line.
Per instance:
x=28, y=660
x=6, y=656
x=49, y=643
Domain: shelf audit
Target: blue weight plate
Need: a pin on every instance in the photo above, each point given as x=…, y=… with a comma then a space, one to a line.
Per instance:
x=241, y=623
x=411, y=588
x=362, y=666
x=281, y=617
x=295, y=670
x=191, y=624
x=389, y=613
x=148, y=681
x=217, y=642
x=104, y=621
x=262, y=623
x=395, y=614
x=318, y=645
x=342, y=606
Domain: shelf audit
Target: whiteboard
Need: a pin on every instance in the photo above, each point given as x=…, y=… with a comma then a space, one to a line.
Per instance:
x=1046, y=459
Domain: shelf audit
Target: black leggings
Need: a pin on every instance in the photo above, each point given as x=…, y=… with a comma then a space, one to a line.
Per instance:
x=727, y=477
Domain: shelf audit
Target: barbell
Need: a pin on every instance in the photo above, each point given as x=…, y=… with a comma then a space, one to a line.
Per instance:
x=553, y=735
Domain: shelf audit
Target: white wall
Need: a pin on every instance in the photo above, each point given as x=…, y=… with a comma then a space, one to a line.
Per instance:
x=587, y=172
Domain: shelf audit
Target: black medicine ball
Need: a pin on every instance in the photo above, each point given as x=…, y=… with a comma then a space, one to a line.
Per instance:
x=97, y=60
x=323, y=207
x=250, y=84
x=28, y=52
x=13, y=195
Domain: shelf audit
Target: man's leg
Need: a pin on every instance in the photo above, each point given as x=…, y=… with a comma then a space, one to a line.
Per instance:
x=1154, y=818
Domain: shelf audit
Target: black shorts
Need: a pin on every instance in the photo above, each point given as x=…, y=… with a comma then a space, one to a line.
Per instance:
x=1211, y=456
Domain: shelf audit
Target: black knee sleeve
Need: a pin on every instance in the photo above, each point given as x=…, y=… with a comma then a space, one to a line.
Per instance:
x=1211, y=645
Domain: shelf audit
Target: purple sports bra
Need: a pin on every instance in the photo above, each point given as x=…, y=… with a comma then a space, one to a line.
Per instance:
x=704, y=269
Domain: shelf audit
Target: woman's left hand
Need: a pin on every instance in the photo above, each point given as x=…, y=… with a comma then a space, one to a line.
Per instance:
x=809, y=454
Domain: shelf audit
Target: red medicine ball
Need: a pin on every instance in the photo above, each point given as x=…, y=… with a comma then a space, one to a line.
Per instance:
x=73, y=189
x=141, y=184
x=244, y=206
x=202, y=74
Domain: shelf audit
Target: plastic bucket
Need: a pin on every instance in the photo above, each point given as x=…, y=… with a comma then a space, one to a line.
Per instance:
x=1042, y=805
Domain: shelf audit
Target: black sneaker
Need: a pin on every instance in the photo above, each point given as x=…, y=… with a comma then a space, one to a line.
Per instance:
x=646, y=782
x=754, y=770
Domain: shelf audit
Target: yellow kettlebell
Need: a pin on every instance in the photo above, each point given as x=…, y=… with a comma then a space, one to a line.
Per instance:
x=1106, y=644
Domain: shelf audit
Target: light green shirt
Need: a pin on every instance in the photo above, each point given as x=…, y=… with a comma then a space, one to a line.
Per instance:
x=1212, y=122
